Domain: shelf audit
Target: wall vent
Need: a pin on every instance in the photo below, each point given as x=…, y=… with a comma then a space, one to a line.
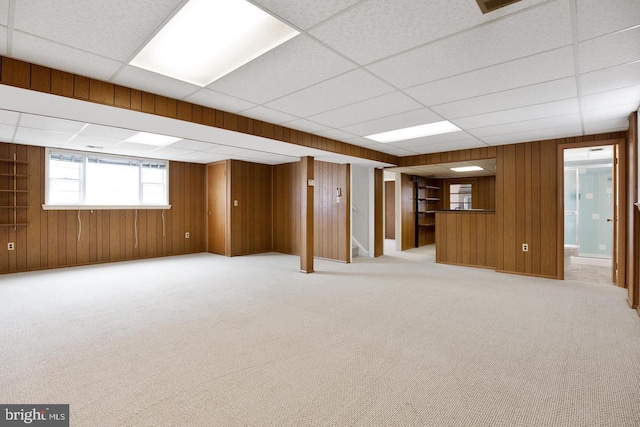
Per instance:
x=487, y=6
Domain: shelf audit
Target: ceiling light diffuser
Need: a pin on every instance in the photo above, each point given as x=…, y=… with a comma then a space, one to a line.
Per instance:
x=413, y=132
x=152, y=139
x=467, y=169
x=208, y=39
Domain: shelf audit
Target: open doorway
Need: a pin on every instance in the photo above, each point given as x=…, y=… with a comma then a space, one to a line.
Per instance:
x=389, y=211
x=589, y=214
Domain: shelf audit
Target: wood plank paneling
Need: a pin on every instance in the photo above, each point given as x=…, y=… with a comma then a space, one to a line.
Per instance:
x=408, y=212
x=51, y=237
x=307, y=214
x=250, y=222
x=465, y=238
x=286, y=208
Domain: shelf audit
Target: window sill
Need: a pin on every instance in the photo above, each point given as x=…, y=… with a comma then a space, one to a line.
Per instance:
x=101, y=207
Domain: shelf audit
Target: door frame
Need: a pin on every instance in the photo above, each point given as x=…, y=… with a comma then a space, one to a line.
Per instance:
x=619, y=202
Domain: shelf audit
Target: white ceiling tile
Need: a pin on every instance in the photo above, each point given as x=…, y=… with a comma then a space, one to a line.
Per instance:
x=371, y=109
x=537, y=135
x=148, y=81
x=107, y=132
x=526, y=126
x=6, y=132
x=305, y=125
x=551, y=109
x=132, y=148
x=113, y=29
x=187, y=144
x=531, y=32
x=379, y=28
x=84, y=141
x=4, y=12
x=202, y=157
x=534, y=69
x=8, y=117
x=292, y=66
x=530, y=95
x=169, y=153
x=610, y=78
x=50, y=123
x=225, y=149
x=31, y=136
x=336, y=134
x=612, y=98
x=346, y=89
x=44, y=52
x=268, y=115
x=611, y=113
x=305, y=13
x=219, y=101
x=606, y=51
x=597, y=17
x=393, y=122
x=613, y=125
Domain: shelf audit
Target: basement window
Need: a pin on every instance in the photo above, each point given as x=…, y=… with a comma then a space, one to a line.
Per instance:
x=76, y=180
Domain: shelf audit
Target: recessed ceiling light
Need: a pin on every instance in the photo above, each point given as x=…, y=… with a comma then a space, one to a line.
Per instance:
x=208, y=39
x=152, y=139
x=467, y=169
x=413, y=132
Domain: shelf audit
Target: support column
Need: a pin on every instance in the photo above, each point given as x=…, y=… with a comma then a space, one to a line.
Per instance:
x=306, y=215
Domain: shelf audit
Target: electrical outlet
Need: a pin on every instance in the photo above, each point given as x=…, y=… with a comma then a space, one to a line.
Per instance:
x=525, y=247
x=186, y=235
x=10, y=246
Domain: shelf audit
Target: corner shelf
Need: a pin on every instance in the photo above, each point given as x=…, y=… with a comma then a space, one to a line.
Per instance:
x=12, y=192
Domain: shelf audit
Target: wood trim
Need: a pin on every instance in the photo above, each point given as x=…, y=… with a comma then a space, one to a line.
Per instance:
x=30, y=76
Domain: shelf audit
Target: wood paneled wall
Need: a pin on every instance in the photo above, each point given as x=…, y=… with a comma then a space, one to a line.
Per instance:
x=286, y=208
x=526, y=205
x=484, y=193
x=332, y=220
x=34, y=77
x=448, y=157
x=408, y=212
x=466, y=238
x=251, y=220
x=633, y=215
x=51, y=237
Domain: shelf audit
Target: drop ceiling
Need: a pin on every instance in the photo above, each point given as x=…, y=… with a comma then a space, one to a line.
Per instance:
x=531, y=70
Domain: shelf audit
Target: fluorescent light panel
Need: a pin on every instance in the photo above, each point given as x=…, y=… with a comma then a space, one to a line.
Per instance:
x=467, y=169
x=208, y=39
x=413, y=132
x=152, y=139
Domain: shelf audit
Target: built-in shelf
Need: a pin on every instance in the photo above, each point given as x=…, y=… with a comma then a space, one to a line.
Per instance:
x=427, y=202
x=431, y=224
x=13, y=191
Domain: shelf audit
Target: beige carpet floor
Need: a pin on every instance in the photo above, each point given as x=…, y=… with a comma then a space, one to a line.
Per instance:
x=204, y=340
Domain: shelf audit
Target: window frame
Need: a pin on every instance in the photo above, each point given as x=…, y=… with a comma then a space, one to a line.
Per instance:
x=459, y=181
x=82, y=206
